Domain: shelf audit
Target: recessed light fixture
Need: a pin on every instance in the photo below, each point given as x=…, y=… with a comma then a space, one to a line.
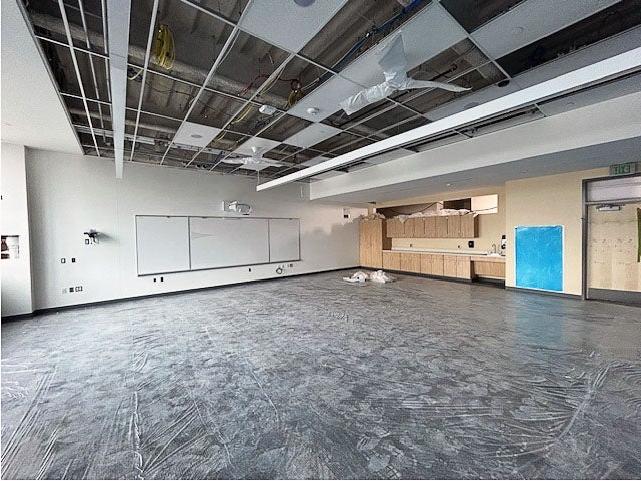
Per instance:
x=196, y=136
x=313, y=110
x=504, y=83
x=304, y=3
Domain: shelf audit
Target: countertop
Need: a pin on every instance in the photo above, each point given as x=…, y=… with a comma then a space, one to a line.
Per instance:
x=474, y=255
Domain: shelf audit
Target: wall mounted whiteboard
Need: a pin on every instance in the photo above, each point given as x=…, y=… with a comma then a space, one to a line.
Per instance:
x=162, y=244
x=228, y=241
x=539, y=257
x=284, y=240
x=180, y=243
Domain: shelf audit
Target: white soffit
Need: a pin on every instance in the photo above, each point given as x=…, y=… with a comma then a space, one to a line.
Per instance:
x=32, y=113
x=196, y=135
x=262, y=144
x=315, y=161
x=580, y=58
x=428, y=33
x=286, y=24
x=532, y=20
x=387, y=156
x=581, y=78
x=312, y=135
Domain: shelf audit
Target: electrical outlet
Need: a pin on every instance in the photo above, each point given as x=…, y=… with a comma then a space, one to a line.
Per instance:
x=73, y=259
x=71, y=289
x=154, y=279
x=63, y=260
x=162, y=279
x=87, y=241
x=78, y=288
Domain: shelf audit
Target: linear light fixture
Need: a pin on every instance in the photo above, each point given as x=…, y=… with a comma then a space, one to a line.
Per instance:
x=118, y=28
x=598, y=72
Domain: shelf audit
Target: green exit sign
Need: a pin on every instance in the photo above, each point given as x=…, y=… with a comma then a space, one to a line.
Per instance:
x=623, y=169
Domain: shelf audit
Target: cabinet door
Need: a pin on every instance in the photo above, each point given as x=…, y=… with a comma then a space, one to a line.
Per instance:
x=430, y=226
x=441, y=226
x=408, y=228
x=426, y=264
x=392, y=261
x=376, y=243
x=454, y=226
x=463, y=267
x=436, y=261
x=363, y=243
x=419, y=227
x=450, y=266
x=410, y=262
x=468, y=225
x=393, y=227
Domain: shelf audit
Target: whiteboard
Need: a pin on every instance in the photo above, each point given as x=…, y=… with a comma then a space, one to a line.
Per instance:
x=228, y=241
x=284, y=240
x=162, y=244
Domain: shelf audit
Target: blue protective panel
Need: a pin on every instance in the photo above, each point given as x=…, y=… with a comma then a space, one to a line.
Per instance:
x=539, y=257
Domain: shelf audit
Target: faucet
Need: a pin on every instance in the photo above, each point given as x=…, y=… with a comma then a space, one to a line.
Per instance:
x=493, y=249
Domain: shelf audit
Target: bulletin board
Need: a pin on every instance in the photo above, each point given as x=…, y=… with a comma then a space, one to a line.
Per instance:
x=539, y=257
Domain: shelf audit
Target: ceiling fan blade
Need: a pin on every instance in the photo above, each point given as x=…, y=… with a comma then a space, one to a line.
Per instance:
x=365, y=97
x=422, y=84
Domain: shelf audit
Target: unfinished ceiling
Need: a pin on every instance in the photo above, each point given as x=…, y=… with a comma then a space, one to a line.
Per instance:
x=198, y=105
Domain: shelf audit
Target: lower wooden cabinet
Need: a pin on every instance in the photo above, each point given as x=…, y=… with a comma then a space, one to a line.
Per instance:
x=463, y=267
x=411, y=262
x=432, y=264
x=392, y=261
x=449, y=266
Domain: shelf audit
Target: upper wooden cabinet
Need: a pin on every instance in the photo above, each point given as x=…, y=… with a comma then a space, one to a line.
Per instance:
x=442, y=226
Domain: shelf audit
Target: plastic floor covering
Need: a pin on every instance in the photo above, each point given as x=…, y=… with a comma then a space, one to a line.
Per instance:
x=311, y=377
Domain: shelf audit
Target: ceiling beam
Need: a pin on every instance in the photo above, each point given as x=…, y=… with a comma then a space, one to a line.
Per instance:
x=118, y=12
x=592, y=74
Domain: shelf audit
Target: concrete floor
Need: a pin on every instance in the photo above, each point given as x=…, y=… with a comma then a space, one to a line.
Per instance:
x=310, y=377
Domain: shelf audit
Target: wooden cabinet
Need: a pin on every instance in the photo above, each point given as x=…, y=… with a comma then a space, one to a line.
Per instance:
x=463, y=267
x=469, y=226
x=429, y=227
x=408, y=228
x=394, y=228
x=432, y=264
x=392, y=261
x=419, y=227
x=454, y=226
x=440, y=226
x=449, y=266
x=411, y=262
x=491, y=267
x=372, y=241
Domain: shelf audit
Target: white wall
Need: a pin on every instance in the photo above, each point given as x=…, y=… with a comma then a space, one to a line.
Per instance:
x=16, y=273
x=71, y=194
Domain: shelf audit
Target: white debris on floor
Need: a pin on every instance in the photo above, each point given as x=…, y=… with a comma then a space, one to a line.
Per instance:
x=379, y=277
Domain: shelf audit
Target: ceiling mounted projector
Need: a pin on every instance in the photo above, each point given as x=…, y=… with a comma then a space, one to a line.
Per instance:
x=304, y=3
x=394, y=64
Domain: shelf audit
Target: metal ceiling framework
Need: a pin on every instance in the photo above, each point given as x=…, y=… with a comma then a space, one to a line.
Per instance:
x=395, y=115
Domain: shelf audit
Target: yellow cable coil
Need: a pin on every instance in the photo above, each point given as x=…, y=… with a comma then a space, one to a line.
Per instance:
x=164, y=53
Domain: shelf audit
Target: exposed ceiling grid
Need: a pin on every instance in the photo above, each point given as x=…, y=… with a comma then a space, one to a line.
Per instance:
x=221, y=96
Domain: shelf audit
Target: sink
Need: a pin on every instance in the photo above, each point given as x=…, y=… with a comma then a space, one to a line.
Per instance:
x=494, y=254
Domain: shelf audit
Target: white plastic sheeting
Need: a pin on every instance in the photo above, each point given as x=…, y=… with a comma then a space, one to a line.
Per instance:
x=360, y=277
x=393, y=61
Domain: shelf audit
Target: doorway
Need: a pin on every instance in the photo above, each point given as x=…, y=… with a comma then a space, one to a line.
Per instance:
x=612, y=239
